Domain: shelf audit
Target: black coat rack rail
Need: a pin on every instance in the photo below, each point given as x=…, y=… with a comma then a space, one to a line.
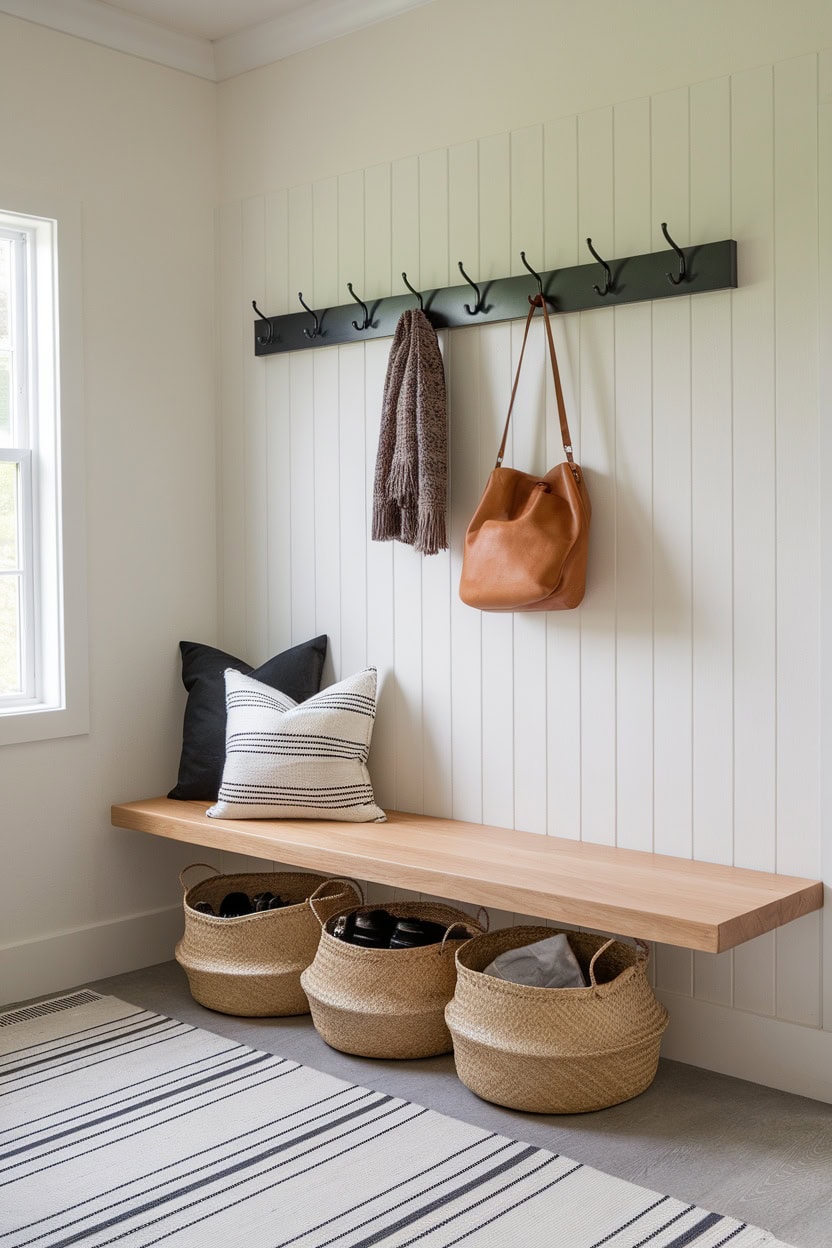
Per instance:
x=607, y=284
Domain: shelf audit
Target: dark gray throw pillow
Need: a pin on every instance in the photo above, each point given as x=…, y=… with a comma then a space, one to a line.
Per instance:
x=296, y=672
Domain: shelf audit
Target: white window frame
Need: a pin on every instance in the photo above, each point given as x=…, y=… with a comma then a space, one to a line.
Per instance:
x=50, y=450
x=25, y=570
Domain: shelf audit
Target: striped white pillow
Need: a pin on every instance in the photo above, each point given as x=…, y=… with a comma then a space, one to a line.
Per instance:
x=289, y=760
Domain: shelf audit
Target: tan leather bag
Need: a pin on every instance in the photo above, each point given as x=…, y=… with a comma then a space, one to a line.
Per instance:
x=526, y=546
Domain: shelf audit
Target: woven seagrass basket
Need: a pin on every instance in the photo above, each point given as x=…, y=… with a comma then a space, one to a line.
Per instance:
x=556, y=1050
x=386, y=1002
x=250, y=965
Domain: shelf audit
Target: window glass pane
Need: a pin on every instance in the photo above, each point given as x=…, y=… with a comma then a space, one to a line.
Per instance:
x=10, y=681
x=5, y=291
x=9, y=524
x=5, y=398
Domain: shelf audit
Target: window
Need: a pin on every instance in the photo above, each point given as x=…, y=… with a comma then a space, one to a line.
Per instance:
x=17, y=538
x=42, y=644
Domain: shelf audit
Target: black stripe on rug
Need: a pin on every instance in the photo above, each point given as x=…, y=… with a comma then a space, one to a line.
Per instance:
x=173, y=1070
x=128, y=1135
x=170, y=1095
x=217, y=1177
x=151, y=1174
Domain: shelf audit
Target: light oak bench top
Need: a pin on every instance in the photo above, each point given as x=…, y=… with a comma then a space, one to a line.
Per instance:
x=696, y=905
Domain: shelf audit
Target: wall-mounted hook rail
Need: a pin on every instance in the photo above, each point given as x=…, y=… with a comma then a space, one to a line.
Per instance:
x=479, y=305
x=633, y=279
x=683, y=267
x=367, y=322
x=264, y=342
x=414, y=292
x=315, y=331
x=609, y=285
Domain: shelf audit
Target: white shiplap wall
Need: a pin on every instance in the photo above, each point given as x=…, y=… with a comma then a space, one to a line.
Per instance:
x=678, y=709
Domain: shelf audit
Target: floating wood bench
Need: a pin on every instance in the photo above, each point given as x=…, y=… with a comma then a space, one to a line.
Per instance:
x=696, y=905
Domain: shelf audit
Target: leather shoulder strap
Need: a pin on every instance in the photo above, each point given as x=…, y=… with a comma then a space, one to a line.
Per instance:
x=539, y=301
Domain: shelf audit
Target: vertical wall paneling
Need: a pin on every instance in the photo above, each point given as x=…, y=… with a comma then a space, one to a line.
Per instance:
x=529, y=454
x=379, y=555
x=381, y=639
x=711, y=485
x=466, y=623
x=327, y=507
x=560, y=198
x=497, y=629
x=231, y=440
x=326, y=440
x=278, y=434
x=302, y=462
x=712, y=515
x=563, y=628
x=672, y=525
x=377, y=232
x=352, y=456
x=407, y=564
x=678, y=709
x=495, y=387
x=253, y=432
x=754, y=976
x=598, y=450
x=796, y=398
x=526, y=206
x=752, y=336
x=350, y=226
x=437, y=710
x=464, y=432
x=301, y=440
x=496, y=259
x=353, y=510
x=634, y=490
x=326, y=288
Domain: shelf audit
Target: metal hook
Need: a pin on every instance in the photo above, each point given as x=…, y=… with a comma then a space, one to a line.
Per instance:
x=683, y=268
x=414, y=292
x=264, y=342
x=478, y=305
x=310, y=333
x=355, y=325
x=536, y=277
x=608, y=282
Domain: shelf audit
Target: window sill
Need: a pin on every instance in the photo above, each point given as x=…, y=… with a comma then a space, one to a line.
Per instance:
x=22, y=723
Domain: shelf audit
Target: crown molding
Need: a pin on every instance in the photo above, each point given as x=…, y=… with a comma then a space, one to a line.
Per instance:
x=113, y=28
x=316, y=22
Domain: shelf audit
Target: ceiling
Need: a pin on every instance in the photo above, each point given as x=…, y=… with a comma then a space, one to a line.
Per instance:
x=208, y=19
x=214, y=39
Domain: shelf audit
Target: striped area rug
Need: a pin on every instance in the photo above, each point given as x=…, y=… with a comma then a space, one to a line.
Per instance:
x=120, y=1126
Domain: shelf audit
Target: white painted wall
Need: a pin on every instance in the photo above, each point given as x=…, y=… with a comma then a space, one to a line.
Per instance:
x=133, y=145
x=678, y=709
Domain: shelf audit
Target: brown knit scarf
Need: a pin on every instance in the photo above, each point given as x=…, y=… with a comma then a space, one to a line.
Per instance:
x=411, y=483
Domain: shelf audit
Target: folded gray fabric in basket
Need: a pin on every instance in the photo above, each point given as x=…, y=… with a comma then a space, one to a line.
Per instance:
x=548, y=963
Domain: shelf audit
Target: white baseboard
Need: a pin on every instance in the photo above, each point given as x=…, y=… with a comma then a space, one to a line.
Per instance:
x=764, y=1050
x=64, y=959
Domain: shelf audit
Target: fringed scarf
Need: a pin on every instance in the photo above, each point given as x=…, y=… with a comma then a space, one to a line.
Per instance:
x=411, y=484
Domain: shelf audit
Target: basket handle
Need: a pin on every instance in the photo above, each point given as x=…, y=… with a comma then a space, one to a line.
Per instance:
x=191, y=866
x=485, y=923
x=448, y=931
x=595, y=958
x=325, y=890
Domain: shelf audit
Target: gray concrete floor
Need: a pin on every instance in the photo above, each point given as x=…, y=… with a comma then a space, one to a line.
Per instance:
x=733, y=1147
